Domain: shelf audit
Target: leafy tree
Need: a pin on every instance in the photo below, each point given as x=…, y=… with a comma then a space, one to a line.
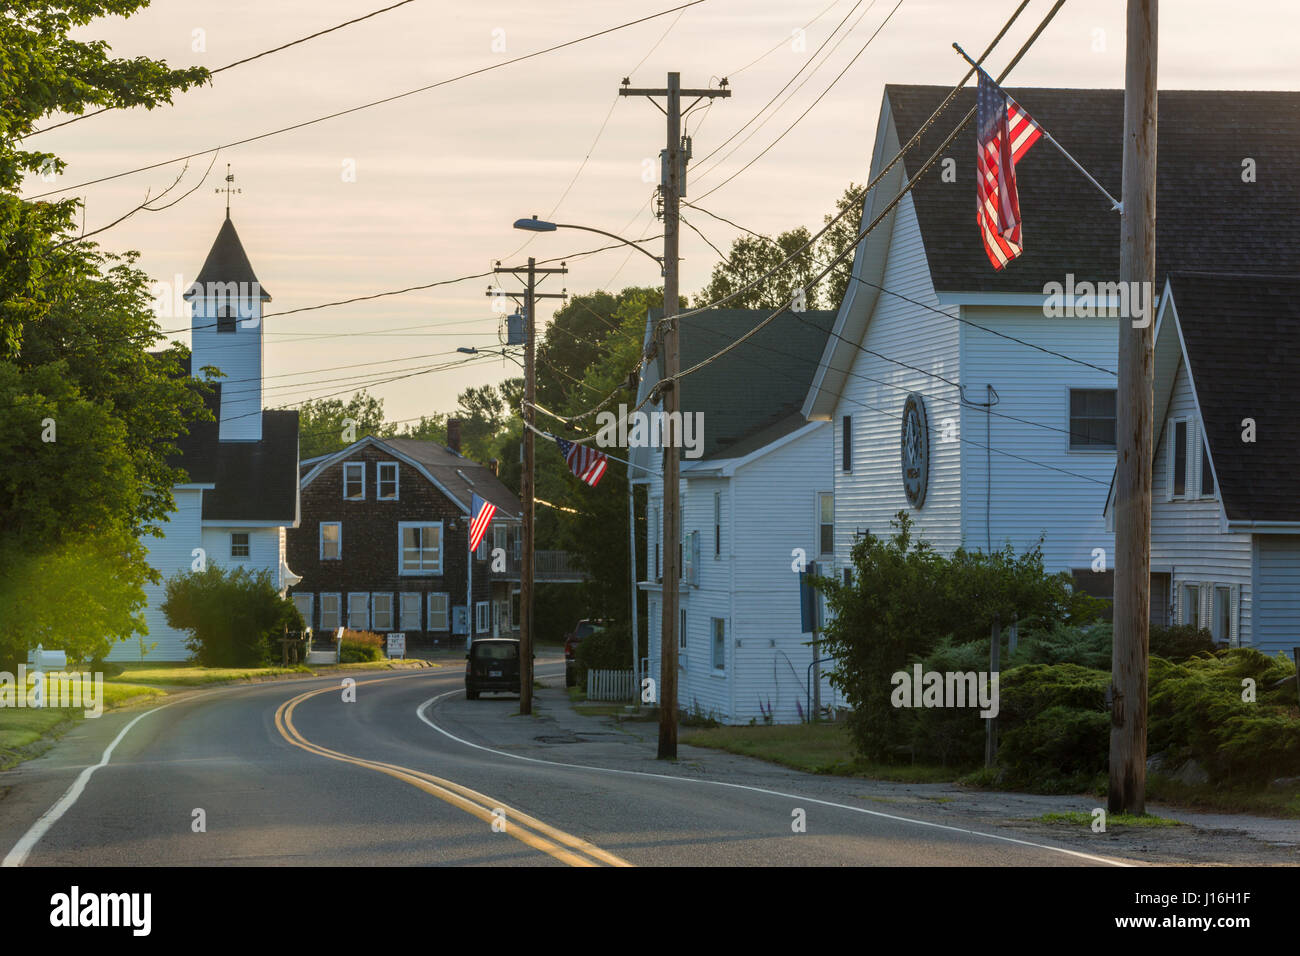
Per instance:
x=839, y=237
x=752, y=257
x=235, y=618
x=327, y=425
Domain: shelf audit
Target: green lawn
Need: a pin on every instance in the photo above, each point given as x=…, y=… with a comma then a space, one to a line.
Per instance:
x=192, y=675
x=814, y=748
x=1080, y=818
x=25, y=731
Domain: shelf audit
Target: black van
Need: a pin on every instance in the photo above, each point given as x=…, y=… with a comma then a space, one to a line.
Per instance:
x=492, y=664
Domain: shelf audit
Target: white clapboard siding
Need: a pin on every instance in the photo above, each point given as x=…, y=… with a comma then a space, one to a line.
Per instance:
x=239, y=355
x=1187, y=539
x=868, y=497
x=1277, y=626
x=1028, y=498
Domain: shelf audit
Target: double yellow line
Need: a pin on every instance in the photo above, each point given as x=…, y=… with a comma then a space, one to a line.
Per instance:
x=524, y=828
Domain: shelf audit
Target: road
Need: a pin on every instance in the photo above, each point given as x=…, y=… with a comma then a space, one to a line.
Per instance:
x=289, y=772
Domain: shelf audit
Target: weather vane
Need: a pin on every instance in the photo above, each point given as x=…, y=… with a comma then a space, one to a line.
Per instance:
x=229, y=188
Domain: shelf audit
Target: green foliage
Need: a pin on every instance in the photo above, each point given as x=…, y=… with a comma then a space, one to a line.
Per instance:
x=1180, y=642
x=361, y=646
x=610, y=649
x=234, y=618
x=1088, y=645
x=327, y=425
x=1058, y=750
x=905, y=599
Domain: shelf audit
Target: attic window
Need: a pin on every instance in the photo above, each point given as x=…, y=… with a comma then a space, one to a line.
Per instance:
x=354, y=481
x=226, y=319
x=387, y=481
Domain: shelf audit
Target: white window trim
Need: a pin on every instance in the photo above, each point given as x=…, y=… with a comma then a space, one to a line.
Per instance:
x=338, y=600
x=1069, y=432
x=401, y=619
x=817, y=523
x=446, y=611
x=321, y=537
x=374, y=624
x=362, y=465
x=379, y=480
x=482, y=617
x=442, y=541
x=309, y=618
x=241, y=557
x=1188, y=456
x=358, y=594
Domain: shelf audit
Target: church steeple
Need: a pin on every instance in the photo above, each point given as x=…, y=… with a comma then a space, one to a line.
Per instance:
x=226, y=332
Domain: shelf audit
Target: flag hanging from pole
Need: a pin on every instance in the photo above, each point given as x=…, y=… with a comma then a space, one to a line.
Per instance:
x=1003, y=133
x=481, y=512
x=587, y=463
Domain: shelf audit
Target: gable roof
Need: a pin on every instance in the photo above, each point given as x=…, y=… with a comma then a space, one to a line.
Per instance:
x=748, y=395
x=255, y=480
x=1239, y=336
x=1206, y=215
x=457, y=477
x=227, y=262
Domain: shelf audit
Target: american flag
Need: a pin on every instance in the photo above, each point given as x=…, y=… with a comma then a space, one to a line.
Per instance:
x=1003, y=133
x=587, y=463
x=481, y=511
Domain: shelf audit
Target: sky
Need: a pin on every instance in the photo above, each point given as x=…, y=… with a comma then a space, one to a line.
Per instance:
x=426, y=188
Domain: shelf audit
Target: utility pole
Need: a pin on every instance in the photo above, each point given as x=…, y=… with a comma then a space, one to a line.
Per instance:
x=674, y=187
x=1133, y=421
x=526, y=563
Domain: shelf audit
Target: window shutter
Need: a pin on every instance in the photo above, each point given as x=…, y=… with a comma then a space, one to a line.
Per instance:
x=1234, y=634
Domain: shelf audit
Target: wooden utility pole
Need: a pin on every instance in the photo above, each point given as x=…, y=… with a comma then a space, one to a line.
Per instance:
x=526, y=563
x=1133, y=421
x=674, y=187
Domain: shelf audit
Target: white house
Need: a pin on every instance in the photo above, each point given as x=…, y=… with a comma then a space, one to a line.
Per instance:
x=1225, y=513
x=242, y=488
x=983, y=402
x=756, y=502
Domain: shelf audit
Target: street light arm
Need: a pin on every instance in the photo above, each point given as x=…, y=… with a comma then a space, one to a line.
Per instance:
x=537, y=225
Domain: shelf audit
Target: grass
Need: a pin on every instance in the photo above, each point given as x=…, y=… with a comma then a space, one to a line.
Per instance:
x=814, y=748
x=27, y=732
x=1080, y=818
x=192, y=675
x=1207, y=797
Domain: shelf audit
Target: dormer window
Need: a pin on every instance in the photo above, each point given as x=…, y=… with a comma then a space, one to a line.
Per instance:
x=225, y=319
x=354, y=481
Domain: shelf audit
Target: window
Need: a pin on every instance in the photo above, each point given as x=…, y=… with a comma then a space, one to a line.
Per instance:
x=354, y=481
x=1221, y=626
x=381, y=612
x=481, y=620
x=481, y=553
x=499, y=537
x=1178, y=459
x=656, y=527
x=410, y=611
x=386, y=481
x=421, y=548
x=846, y=444
x=1189, y=610
x=717, y=524
x=331, y=541
x=329, y=612
x=359, y=611
x=719, y=644
x=225, y=319
x=1092, y=419
x=826, y=523
x=239, y=544
x=1207, y=470
x=439, y=618
x=303, y=603
x=517, y=539
x=681, y=632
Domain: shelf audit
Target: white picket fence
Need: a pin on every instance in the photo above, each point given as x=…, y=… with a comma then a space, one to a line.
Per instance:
x=611, y=685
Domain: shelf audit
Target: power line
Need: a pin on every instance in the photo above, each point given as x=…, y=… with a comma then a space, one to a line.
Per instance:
x=782, y=43
x=372, y=103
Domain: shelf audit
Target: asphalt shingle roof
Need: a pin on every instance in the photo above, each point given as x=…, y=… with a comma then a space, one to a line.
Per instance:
x=1207, y=217
x=462, y=476
x=228, y=262
x=1242, y=334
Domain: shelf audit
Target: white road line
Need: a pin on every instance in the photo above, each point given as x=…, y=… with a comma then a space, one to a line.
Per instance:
x=18, y=855
x=419, y=712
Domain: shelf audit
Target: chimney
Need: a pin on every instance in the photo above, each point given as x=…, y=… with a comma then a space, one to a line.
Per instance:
x=453, y=434
x=494, y=464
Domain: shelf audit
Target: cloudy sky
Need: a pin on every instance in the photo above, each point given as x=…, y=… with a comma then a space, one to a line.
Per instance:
x=437, y=178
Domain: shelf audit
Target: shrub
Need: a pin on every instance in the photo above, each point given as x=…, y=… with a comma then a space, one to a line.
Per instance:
x=1058, y=750
x=610, y=649
x=234, y=618
x=361, y=646
x=1180, y=642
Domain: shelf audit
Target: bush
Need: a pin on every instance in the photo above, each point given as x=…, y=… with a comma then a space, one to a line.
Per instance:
x=1087, y=645
x=610, y=649
x=234, y=618
x=1180, y=642
x=1059, y=750
x=361, y=646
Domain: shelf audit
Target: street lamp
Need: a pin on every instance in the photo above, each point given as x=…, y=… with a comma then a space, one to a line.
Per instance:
x=541, y=225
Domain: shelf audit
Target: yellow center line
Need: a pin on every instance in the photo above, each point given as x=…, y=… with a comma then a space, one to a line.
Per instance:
x=461, y=797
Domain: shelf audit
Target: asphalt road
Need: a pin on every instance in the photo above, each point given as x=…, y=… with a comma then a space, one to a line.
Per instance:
x=288, y=772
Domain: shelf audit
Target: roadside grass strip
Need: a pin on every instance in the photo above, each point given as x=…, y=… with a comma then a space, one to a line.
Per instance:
x=562, y=846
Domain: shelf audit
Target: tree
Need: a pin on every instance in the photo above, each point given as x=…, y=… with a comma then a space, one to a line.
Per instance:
x=327, y=425
x=751, y=258
x=235, y=618
x=836, y=239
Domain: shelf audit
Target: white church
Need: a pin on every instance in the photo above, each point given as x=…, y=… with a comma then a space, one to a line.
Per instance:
x=242, y=489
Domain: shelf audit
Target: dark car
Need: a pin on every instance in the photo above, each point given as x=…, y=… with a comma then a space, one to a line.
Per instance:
x=492, y=665
x=584, y=628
